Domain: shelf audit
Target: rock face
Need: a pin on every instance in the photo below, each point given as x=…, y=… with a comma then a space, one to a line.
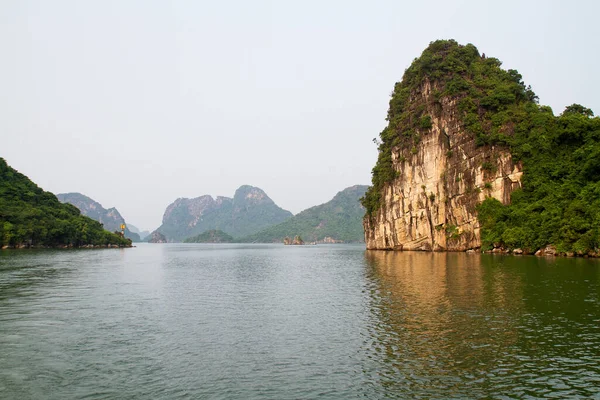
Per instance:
x=111, y=218
x=547, y=251
x=249, y=211
x=431, y=206
x=297, y=241
x=439, y=178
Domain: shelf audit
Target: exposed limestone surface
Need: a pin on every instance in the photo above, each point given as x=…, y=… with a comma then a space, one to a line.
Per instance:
x=297, y=241
x=547, y=251
x=431, y=205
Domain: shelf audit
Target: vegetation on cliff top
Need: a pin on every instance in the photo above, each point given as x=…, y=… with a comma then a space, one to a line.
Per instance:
x=211, y=236
x=560, y=200
x=30, y=216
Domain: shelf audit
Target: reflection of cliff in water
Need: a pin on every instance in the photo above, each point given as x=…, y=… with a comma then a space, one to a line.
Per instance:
x=442, y=319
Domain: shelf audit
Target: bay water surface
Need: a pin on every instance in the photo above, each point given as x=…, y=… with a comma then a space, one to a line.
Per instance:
x=190, y=321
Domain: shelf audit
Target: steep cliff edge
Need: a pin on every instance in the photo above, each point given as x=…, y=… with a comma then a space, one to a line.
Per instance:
x=470, y=160
x=431, y=205
x=435, y=166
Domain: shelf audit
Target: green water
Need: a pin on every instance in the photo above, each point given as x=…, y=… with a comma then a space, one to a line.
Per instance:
x=281, y=322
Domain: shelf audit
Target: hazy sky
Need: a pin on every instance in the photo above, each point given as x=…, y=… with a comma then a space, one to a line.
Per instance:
x=137, y=103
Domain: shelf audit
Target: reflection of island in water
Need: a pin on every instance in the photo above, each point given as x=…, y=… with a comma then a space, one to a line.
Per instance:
x=443, y=318
x=480, y=326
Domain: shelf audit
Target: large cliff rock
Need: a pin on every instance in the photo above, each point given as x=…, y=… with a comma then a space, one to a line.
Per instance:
x=431, y=205
x=436, y=168
x=110, y=218
x=249, y=211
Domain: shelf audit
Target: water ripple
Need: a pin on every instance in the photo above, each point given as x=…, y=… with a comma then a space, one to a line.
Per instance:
x=275, y=322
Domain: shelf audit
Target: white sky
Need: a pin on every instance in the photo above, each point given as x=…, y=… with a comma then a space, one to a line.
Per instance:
x=137, y=103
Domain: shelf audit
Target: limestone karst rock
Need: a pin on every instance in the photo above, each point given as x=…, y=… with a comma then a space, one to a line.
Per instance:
x=437, y=170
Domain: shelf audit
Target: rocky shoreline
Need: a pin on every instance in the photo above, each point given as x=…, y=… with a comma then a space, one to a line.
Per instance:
x=549, y=251
x=85, y=246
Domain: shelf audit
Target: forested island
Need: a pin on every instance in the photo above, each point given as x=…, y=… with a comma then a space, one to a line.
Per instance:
x=470, y=161
x=32, y=217
x=211, y=236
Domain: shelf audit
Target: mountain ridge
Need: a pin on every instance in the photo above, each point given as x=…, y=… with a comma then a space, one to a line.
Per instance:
x=110, y=218
x=337, y=220
x=249, y=210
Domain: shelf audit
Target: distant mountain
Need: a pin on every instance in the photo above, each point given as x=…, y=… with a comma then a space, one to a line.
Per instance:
x=340, y=219
x=212, y=236
x=111, y=219
x=249, y=211
x=157, y=237
x=134, y=229
x=30, y=216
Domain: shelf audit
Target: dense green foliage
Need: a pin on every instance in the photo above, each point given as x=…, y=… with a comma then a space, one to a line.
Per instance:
x=560, y=200
x=559, y=203
x=211, y=236
x=248, y=212
x=111, y=219
x=340, y=219
x=31, y=216
x=491, y=101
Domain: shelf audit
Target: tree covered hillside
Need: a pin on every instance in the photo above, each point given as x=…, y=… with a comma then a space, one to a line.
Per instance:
x=560, y=201
x=31, y=216
x=111, y=219
x=340, y=219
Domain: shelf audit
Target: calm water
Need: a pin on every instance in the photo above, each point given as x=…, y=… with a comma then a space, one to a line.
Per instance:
x=275, y=322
